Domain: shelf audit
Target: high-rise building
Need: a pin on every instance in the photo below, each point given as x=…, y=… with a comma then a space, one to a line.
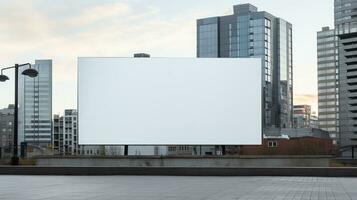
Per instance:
x=346, y=29
x=35, y=106
x=6, y=131
x=249, y=33
x=302, y=116
x=327, y=68
x=65, y=137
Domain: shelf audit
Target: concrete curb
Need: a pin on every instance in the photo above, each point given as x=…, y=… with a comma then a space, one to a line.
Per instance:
x=178, y=171
x=186, y=162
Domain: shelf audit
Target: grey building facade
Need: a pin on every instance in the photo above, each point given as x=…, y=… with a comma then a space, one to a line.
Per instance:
x=65, y=135
x=328, y=84
x=346, y=29
x=302, y=116
x=57, y=138
x=35, y=106
x=249, y=33
x=6, y=131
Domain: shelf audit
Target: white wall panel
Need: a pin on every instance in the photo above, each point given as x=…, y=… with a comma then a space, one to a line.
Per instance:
x=148, y=101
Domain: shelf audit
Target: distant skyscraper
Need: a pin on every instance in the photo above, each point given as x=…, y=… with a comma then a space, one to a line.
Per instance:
x=35, y=106
x=327, y=67
x=249, y=33
x=346, y=29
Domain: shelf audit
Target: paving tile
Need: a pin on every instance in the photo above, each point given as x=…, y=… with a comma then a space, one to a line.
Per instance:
x=173, y=188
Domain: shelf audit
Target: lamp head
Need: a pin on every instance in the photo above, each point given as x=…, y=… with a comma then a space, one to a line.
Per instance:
x=30, y=72
x=3, y=78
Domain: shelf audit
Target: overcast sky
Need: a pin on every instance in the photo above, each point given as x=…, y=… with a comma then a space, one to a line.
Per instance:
x=63, y=30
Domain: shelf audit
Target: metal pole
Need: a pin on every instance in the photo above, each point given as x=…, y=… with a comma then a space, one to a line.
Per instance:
x=126, y=149
x=15, y=157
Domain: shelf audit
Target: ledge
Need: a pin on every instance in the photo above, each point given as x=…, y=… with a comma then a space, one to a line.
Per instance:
x=180, y=171
x=186, y=157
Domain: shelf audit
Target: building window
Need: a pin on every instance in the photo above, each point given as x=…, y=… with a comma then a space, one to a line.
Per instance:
x=272, y=144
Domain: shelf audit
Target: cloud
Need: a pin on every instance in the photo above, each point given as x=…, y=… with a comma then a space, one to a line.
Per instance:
x=305, y=98
x=21, y=27
x=29, y=31
x=100, y=12
x=100, y=30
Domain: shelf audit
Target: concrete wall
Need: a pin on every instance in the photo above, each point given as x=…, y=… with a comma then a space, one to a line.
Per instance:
x=246, y=161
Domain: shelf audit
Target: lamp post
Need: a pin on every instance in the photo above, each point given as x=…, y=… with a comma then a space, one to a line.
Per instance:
x=28, y=72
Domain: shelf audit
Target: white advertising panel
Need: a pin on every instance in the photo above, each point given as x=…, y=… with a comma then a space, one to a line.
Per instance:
x=167, y=101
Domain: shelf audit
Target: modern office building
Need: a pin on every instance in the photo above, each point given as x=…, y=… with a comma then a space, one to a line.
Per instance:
x=6, y=131
x=302, y=116
x=65, y=137
x=327, y=68
x=252, y=33
x=346, y=30
x=35, y=106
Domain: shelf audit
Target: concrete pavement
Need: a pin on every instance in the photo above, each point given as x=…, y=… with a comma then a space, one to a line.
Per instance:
x=174, y=188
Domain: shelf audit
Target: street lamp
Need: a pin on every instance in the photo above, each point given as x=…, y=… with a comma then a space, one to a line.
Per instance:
x=27, y=72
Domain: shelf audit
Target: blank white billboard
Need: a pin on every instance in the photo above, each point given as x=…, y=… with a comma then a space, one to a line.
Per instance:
x=166, y=101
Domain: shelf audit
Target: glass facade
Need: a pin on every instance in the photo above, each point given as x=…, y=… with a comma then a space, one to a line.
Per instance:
x=35, y=106
x=208, y=39
x=346, y=32
x=327, y=67
x=345, y=17
x=285, y=73
x=249, y=33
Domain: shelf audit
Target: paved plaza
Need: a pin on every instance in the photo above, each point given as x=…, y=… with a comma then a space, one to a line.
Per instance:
x=171, y=187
